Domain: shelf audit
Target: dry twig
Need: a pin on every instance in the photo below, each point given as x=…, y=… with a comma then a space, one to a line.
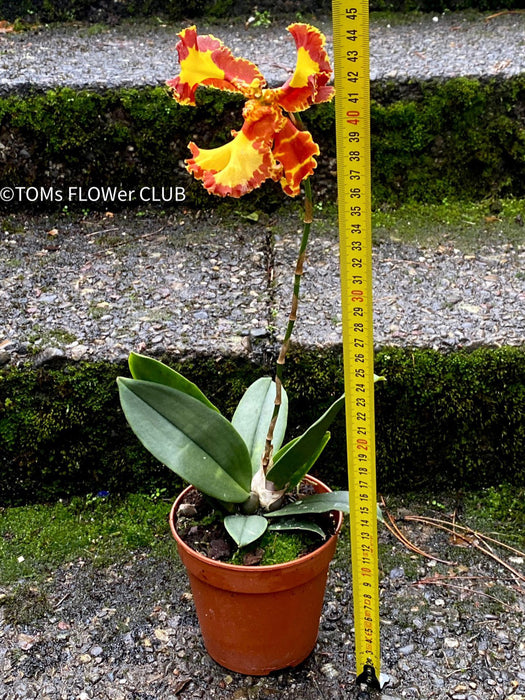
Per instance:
x=473, y=538
x=503, y=12
x=391, y=525
x=439, y=580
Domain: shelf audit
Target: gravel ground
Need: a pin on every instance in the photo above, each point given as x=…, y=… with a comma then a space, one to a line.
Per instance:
x=129, y=632
x=100, y=287
x=138, y=53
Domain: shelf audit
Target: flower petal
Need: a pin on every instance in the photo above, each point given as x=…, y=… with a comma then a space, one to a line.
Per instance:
x=245, y=163
x=204, y=60
x=308, y=84
x=234, y=169
x=294, y=150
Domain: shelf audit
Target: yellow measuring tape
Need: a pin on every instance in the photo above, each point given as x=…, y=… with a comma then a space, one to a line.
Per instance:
x=352, y=116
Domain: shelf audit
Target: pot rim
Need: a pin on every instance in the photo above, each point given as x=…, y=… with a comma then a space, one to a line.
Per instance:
x=239, y=567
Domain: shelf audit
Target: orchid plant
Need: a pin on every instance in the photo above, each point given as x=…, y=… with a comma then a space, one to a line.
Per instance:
x=242, y=463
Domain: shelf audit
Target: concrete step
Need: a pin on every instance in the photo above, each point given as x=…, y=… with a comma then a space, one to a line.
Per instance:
x=86, y=107
x=98, y=287
x=210, y=295
x=137, y=54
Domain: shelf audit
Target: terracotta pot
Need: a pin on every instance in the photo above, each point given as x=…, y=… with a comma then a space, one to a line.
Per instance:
x=259, y=619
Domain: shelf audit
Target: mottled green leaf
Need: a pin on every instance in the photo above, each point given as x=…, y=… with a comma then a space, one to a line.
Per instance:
x=304, y=449
x=298, y=476
x=293, y=524
x=151, y=370
x=318, y=503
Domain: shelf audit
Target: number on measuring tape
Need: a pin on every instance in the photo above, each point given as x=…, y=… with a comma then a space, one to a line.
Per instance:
x=352, y=110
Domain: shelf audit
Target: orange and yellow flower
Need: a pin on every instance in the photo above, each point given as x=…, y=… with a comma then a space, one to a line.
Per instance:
x=269, y=145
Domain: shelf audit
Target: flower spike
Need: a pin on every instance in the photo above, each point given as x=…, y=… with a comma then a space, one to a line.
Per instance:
x=268, y=146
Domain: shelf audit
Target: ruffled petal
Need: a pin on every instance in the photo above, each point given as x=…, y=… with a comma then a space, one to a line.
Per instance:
x=308, y=85
x=294, y=150
x=245, y=163
x=234, y=169
x=204, y=60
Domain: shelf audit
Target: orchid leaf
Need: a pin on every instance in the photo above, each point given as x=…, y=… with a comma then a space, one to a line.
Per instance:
x=253, y=415
x=151, y=370
x=304, y=450
x=297, y=477
x=189, y=437
x=318, y=503
x=245, y=529
x=293, y=524
x=277, y=455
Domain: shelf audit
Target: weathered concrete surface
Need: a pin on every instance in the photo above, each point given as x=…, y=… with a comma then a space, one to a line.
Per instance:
x=143, y=53
x=100, y=286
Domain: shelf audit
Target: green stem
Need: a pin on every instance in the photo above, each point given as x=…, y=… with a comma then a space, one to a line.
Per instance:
x=299, y=269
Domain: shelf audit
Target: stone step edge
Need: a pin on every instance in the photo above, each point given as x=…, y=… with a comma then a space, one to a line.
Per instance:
x=418, y=47
x=103, y=285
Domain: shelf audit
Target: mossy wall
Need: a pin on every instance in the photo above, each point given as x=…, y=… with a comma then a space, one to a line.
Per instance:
x=174, y=10
x=455, y=139
x=453, y=419
x=460, y=139
x=125, y=138
x=443, y=420
x=62, y=431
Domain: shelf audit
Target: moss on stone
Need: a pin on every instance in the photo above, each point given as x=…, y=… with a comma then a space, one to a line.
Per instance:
x=123, y=138
x=35, y=539
x=459, y=139
x=25, y=605
x=443, y=420
x=450, y=420
x=431, y=140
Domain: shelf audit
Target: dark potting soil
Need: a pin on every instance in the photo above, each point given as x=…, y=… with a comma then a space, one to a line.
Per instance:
x=200, y=526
